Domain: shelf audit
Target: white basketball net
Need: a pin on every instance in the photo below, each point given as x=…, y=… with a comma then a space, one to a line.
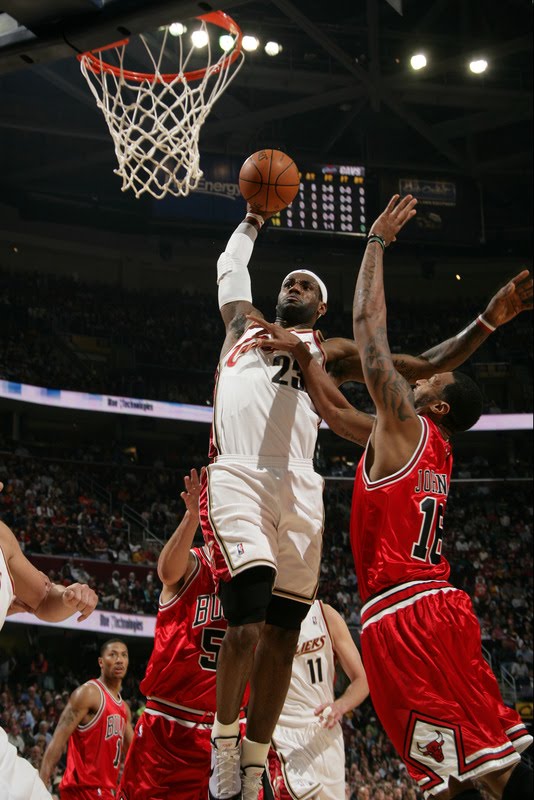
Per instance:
x=155, y=123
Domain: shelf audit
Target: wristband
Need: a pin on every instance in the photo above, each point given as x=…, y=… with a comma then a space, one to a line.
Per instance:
x=255, y=219
x=483, y=323
x=374, y=237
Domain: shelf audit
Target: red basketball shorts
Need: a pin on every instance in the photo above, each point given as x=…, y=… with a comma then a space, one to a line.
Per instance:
x=434, y=693
x=87, y=794
x=166, y=760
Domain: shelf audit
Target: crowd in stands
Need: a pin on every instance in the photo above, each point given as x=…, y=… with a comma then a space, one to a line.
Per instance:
x=373, y=768
x=60, y=333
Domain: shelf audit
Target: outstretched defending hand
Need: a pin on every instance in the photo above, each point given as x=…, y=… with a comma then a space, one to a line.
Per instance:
x=395, y=217
x=191, y=493
x=278, y=338
x=80, y=597
x=511, y=300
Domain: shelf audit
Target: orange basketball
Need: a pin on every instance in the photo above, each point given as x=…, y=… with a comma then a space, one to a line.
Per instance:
x=269, y=181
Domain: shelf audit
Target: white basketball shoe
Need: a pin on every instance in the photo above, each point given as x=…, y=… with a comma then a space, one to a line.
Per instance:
x=225, y=776
x=251, y=782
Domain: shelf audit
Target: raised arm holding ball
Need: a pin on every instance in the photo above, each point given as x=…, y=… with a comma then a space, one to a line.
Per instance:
x=261, y=505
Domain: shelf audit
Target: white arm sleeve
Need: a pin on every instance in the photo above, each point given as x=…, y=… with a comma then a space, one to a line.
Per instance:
x=233, y=278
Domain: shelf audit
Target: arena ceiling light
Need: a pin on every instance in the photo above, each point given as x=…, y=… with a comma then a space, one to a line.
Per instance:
x=478, y=65
x=418, y=61
x=226, y=42
x=177, y=28
x=250, y=43
x=273, y=48
x=200, y=38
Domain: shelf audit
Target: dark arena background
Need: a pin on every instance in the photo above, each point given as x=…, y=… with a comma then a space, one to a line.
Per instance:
x=110, y=330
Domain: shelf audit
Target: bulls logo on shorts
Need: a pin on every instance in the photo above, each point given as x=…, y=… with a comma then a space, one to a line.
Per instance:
x=431, y=743
x=434, y=748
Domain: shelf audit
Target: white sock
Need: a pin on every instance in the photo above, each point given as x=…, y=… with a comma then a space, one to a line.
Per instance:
x=253, y=753
x=225, y=730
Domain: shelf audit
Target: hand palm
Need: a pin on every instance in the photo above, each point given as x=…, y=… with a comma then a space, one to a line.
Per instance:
x=511, y=300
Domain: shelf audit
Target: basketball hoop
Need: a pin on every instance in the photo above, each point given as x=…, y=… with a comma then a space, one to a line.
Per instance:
x=155, y=117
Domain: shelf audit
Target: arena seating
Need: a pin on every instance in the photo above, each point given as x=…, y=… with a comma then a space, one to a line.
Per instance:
x=60, y=333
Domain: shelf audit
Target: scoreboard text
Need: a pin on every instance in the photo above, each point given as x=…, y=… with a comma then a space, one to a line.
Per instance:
x=331, y=199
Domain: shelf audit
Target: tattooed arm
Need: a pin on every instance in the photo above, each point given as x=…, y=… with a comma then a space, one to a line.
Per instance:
x=83, y=704
x=397, y=429
x=508, y=302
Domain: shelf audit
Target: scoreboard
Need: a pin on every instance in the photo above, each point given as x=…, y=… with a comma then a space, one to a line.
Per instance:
x=331, y=199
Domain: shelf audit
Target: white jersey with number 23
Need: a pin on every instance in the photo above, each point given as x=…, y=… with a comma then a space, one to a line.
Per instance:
x=261, y=405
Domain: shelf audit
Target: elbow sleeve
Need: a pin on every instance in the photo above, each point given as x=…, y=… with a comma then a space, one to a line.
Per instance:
x=233, y=278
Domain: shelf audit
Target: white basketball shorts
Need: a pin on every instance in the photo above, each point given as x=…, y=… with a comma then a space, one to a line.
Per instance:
x=310, y=760
x=255, y=512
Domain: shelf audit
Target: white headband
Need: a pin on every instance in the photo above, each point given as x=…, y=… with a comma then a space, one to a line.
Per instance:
x=322, y=286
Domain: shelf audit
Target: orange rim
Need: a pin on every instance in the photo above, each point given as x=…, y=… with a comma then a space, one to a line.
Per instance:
x=219, y=18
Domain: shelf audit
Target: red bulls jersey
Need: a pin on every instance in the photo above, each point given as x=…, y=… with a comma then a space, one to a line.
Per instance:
x=94, y=749
x=397, y=522
x=180, y=676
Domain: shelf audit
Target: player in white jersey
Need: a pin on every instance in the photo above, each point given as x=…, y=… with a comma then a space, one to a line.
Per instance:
x=307, y=758
x=271, y=451
x=261, y=507
x=24, y=588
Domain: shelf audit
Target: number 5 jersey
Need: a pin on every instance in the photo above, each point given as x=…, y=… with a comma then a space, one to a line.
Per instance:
x=170, y=753
x=180, y=676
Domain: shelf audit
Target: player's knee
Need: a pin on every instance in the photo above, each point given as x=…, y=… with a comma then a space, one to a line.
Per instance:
x=285, y=613
x=243, y=638
x=245, y=599
x=282, y=641
x=520, y=784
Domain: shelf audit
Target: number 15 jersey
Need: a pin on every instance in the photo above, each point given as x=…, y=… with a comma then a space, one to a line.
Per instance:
x=396, y=524
x=261, y=406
